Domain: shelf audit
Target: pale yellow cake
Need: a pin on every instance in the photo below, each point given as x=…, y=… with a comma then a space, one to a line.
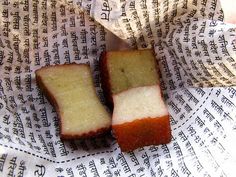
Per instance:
x=130, y=81
x=70, y=89
x=140, y=118
x=122, y=70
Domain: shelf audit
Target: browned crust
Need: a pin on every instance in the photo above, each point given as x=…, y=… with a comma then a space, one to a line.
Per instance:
x=105, y=79
x=90, y=134
x=143, y=132
x=54, y=103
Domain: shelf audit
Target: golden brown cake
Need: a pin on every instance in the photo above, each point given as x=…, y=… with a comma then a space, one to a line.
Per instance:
x=131, y=84
x=140, y=118
x=70, y=89
x=121, y=70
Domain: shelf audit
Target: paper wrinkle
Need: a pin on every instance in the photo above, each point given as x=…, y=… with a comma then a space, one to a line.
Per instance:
x=203, y=120
x=142, y=26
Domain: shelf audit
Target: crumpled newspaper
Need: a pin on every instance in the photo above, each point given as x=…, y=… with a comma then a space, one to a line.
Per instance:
x=195, y=50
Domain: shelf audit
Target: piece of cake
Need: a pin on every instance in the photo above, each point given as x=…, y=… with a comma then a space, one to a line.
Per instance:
x=140, y=118
x=70, y=89
x=130, y=81
x=121, y=70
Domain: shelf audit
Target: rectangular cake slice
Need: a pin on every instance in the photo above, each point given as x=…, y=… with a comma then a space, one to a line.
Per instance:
x=140, y=118
x=70, y=89
x=121, y=70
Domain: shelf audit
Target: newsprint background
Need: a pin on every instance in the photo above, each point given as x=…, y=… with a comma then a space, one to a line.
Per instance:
x=196, y=53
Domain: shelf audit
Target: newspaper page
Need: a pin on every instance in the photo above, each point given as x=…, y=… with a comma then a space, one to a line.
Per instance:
x=195, y=50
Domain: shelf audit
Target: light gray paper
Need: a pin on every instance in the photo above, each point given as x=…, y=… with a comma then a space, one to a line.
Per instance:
x=194, y=48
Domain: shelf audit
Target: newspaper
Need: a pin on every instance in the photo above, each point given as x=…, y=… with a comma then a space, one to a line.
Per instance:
x=195, y=50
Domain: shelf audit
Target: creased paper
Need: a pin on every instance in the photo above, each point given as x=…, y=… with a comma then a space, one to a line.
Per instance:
x=195, y=51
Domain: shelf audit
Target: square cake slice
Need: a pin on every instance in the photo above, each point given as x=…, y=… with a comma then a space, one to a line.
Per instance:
x=70, y=90
x=122, y=70
x=140, y=118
